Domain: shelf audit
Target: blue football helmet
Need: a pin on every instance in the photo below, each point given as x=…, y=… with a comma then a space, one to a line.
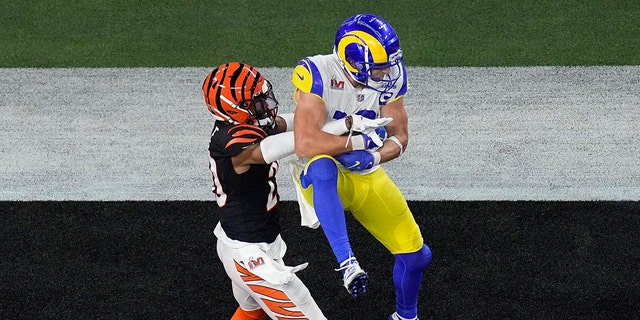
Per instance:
x=366, y=42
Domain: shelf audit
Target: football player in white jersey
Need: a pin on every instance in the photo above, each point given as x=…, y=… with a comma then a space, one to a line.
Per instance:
x=364, y=78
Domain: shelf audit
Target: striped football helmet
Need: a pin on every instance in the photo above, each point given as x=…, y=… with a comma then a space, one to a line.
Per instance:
x=366, y=42
x=238, y=93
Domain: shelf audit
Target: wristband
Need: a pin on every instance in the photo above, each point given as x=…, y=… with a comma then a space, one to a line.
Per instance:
x=396, y=141
x=376, y=158
x=357, y=142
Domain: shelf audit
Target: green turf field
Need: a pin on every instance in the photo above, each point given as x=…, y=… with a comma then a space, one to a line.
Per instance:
x=112, y=33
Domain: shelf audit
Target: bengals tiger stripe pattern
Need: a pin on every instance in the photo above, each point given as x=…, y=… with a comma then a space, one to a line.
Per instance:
x=245, y=134
x=277, y=301
x=228, y=89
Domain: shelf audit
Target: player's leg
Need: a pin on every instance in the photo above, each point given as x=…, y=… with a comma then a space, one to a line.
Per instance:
x=242, y=314
x=300, y=297
x=249, y=309
x=407, y=276
x=278, y=301
x=290, y=300
x=384, y=212
x=321, y=173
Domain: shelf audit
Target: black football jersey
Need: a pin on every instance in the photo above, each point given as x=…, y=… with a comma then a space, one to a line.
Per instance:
x=248, y=201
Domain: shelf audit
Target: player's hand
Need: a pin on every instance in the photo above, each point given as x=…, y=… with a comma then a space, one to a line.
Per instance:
x=362, y=124
x=359, y=160
x=371, y=140
x=374, y=139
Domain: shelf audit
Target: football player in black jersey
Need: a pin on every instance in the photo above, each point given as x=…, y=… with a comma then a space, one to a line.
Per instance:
x=248, y=138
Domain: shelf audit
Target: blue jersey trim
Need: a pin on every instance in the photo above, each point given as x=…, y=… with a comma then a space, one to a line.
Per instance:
x=317, y=87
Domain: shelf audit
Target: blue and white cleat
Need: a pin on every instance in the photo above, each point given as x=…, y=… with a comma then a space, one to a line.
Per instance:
x=396, y=316
x=354, y=278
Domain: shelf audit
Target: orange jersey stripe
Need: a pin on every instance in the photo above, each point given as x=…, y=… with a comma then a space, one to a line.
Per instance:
x=240, y=140
x=247, y=129
x=245, y=134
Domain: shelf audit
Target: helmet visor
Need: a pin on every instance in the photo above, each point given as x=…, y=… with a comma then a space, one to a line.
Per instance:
x=263, y=108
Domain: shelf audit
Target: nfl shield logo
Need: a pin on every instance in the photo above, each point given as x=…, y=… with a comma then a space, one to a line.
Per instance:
x=360, y=97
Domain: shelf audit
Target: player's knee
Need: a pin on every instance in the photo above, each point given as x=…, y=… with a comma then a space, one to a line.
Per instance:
x=426, y=256
x=242, y=314
x=322, y=170
x=417, y=260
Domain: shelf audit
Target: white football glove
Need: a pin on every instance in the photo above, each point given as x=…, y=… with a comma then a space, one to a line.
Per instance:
x=358, y=124
x=362, y=124
x=371, y=139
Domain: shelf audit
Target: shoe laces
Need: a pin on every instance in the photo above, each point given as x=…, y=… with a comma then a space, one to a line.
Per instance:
x=348, y=265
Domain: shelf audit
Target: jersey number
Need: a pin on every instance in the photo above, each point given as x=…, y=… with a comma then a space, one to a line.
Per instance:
x=221, y=196
x=272, y=198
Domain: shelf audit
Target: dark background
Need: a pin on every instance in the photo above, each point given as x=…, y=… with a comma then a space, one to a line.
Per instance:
x=157, y=260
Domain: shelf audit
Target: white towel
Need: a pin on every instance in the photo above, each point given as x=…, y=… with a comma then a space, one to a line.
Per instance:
x=308, y=217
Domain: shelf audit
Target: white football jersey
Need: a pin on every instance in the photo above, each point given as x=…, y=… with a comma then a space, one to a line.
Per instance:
x=323, y=76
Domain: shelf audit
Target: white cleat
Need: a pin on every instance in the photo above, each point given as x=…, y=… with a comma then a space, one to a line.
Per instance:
x=396, y=316
x=355, y=279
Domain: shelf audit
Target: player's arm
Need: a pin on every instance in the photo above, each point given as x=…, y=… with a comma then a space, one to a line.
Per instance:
x=250, y=155
x=309, y=118
x=397, y=137
x=398, y=129
x=270, y=149
x=281, y=145
x=284, y=122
